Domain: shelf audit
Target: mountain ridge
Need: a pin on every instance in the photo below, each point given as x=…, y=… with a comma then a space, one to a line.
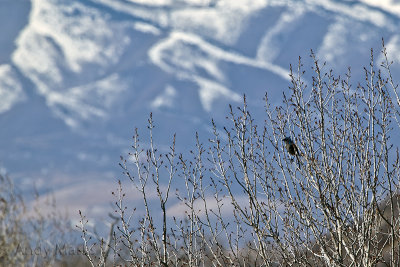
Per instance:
x=83, y=74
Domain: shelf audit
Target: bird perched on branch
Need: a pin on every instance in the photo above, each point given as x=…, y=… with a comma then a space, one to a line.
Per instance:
x=292, y=148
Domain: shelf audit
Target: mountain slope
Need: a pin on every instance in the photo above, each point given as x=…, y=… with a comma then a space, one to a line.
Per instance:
x=80, y=75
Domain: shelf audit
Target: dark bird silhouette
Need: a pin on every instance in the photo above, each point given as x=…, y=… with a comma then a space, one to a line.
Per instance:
x=292, y=149
x=291, y=146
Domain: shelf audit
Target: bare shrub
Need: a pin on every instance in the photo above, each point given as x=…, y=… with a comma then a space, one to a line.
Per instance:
x=11, y=228
x=30, y=234
x=244, y=200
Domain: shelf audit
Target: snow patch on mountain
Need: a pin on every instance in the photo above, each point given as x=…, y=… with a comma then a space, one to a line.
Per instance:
x=391, y=6
x=78, y=31
x=334, y=47
x=191, y=58
x=393, y=48
x=211, y=91
x=334, y=43
x=11, y=91
x=269, y=47
x=87, y=101
x=152, y=2
x=356, y=11
x=166, y=99
x=146, y=28
x=63, y=39
x=223, y=23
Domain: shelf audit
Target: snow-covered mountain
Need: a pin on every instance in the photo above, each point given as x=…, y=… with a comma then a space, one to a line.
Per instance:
x=76, y=77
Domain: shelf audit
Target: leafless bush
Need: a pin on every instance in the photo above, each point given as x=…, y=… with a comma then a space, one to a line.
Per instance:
x=30, y=235
x=244, y=200
x=11, y=227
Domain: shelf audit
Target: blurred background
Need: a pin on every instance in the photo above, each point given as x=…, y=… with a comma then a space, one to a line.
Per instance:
x=77, y=77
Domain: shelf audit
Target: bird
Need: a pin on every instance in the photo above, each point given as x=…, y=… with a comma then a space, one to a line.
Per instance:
x=292, y=149
x=291, y=146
